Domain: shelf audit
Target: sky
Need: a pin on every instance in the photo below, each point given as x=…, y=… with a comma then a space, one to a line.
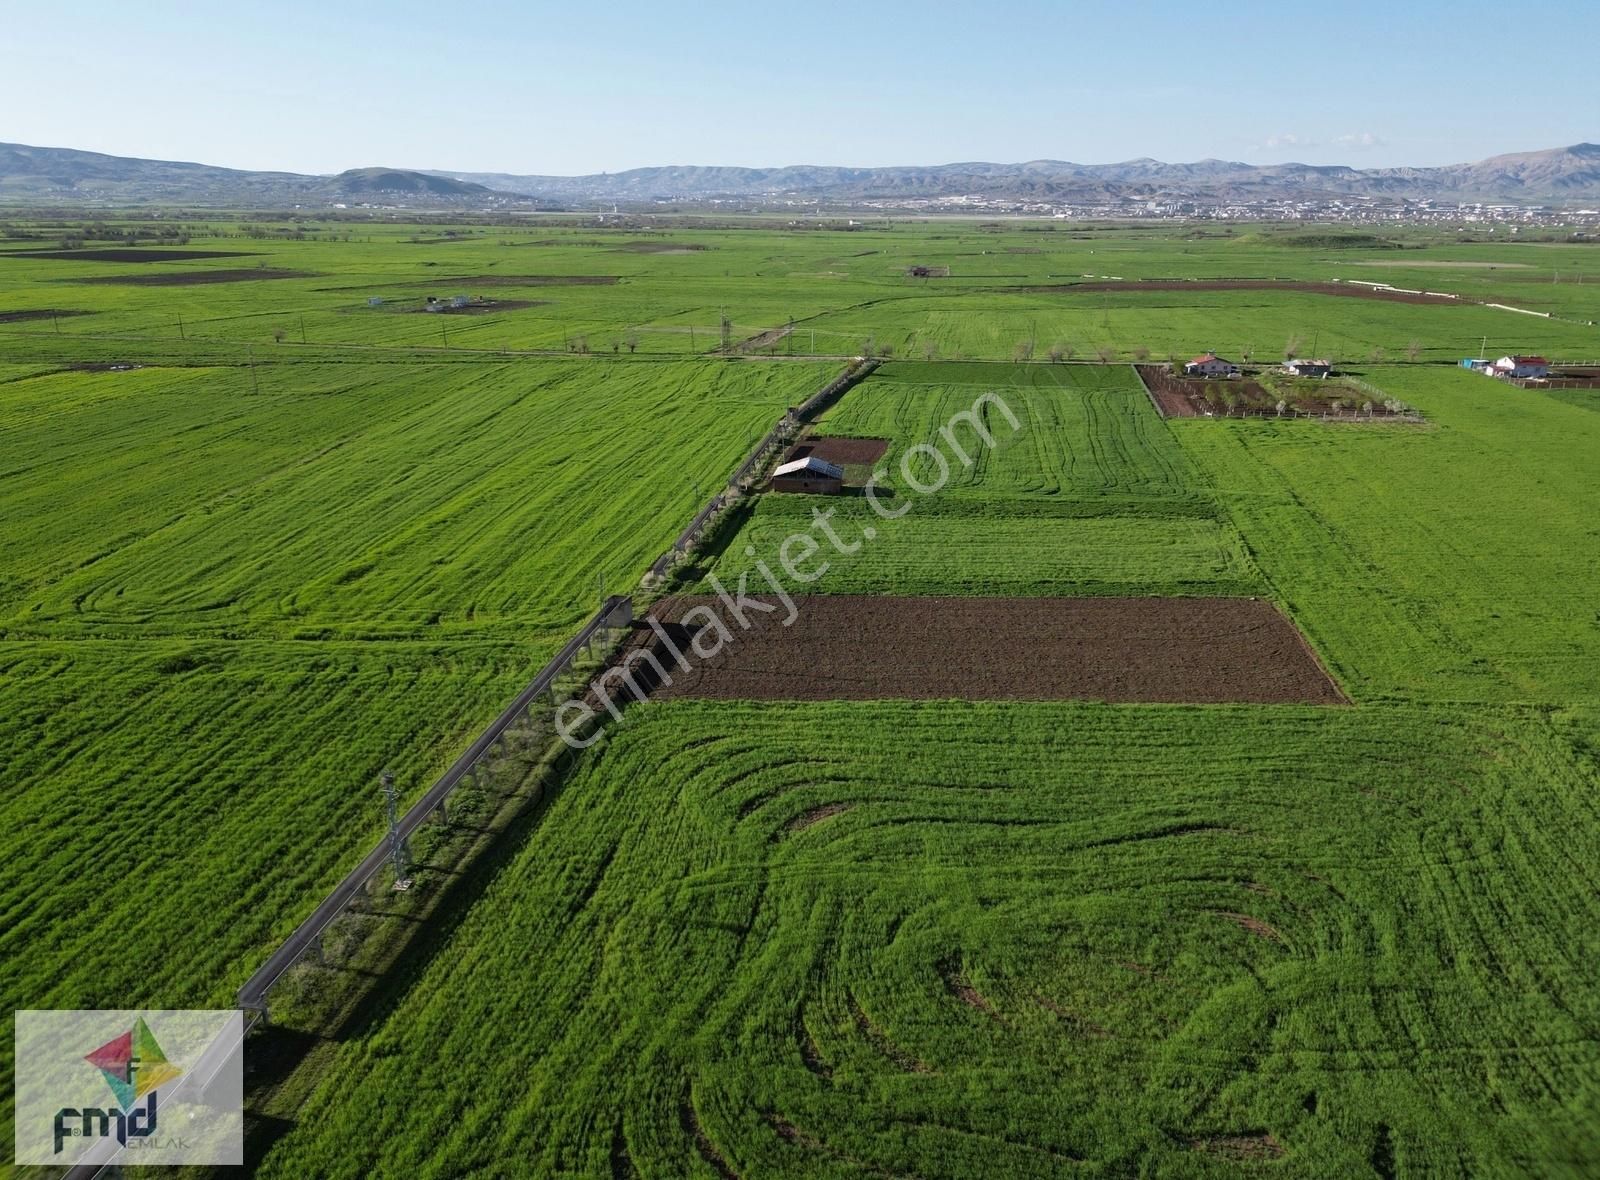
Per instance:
x=531, y=88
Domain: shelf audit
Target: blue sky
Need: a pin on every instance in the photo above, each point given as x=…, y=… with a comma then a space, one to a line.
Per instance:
x=533, y=88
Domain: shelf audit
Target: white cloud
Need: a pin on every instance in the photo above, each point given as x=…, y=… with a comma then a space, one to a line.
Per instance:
x=1364, y=139
x=1288, y=140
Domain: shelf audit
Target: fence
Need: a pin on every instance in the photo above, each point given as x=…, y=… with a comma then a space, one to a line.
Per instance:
x=615, y=612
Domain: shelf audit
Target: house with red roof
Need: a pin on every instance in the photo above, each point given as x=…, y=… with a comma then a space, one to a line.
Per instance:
x=1210, y=365
x=1522, y=366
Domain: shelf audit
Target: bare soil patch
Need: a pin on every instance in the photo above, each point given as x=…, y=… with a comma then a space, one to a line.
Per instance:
x=130, y=255
x=1246, y=397
x=192, y=278
x=860, y=647
x=839, y=451
x=759, y=341
x=660, y=248
x=1563, y=378
x=815, y=816
x=957, y=984
x=1254, y=925
x=39, y=313
x=1342, y=290
x=1247, y=1147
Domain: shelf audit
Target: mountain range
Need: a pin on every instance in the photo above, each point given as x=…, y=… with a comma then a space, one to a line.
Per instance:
x=1566, y=176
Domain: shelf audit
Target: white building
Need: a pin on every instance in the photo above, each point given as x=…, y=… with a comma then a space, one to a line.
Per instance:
x=1522, y=366
x=1210, y=365
x=1300, y=367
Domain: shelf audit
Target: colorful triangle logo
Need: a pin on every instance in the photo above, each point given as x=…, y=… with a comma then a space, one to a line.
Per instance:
x=133, y=1064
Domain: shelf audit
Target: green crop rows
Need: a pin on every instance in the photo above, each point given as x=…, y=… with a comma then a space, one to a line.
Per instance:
x=1089, y=493
x=1355, y=931
x=303, y=538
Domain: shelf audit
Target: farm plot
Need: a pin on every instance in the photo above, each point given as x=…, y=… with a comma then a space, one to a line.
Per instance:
x=988, y=546
x=1456, y=562
x=845, y=647
x=1269, y=395
x=1089, y=494
x=225, y=609
x=986, y=939
x=338, y=501
x=1080, y=430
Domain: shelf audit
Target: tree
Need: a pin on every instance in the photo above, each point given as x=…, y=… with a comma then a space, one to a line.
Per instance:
x=580, y=344
x=1413, y=351
x=1055, y=354
x=1023, y=351
x=1378, y=355
x=1105, y=353
x=1282, y=406
x=1141, y=354
x=632, y=341
x=929, y=350
x=277, y=335
x=1292, y=346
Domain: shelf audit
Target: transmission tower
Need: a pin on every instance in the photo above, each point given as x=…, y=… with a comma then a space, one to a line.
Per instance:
x=397, y=846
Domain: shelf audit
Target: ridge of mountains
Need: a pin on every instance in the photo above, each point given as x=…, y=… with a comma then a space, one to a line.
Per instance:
x=1565, y=176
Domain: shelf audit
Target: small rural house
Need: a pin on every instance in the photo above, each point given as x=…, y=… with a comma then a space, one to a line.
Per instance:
x=1300, y=367
x=816, y=476
x=1210, y=365
x=1522, y=366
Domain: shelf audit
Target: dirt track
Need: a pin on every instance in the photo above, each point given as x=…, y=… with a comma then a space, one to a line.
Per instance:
x=853, y=647
x=1345, y=290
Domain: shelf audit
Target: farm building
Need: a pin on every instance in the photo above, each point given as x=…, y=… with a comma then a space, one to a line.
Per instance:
x=812, y=475
x=1304, y=368
x=1210, y=365
x=1522, y=366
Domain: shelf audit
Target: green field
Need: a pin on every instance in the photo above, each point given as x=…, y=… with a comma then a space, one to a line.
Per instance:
x=1090, y=493
x=237, y=605
x=293, y=538
x=1358, y=931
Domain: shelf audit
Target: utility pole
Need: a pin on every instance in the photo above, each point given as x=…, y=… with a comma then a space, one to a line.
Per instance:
x=181, y=336
x=250, y=357
x=397, y=846
x=302, y=329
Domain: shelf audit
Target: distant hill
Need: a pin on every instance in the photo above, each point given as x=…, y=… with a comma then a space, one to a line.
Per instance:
x=62, y=175
x=59, y=175
x=1559, y=174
